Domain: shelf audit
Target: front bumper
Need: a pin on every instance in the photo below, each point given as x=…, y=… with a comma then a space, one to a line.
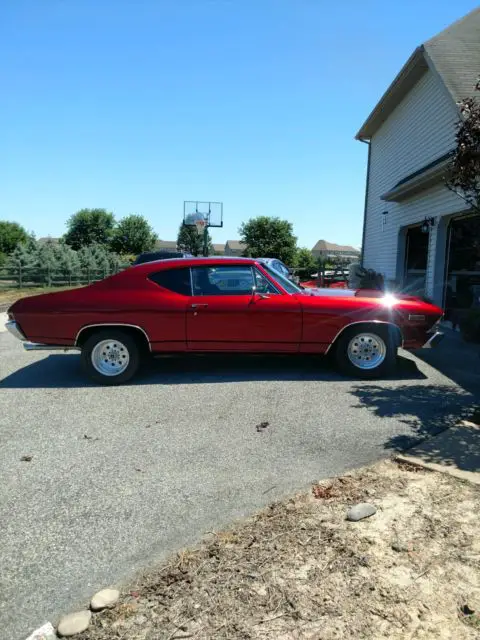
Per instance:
x=15, y=330
x=434, y=340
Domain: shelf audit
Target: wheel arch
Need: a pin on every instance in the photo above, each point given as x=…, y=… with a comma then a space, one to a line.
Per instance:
x=369, y=323
x=134, y=330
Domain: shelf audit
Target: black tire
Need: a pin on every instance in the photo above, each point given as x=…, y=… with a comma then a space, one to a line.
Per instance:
x=125, y=342
x=383, y=334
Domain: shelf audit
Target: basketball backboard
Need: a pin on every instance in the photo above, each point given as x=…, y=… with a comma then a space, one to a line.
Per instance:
x=194, y=212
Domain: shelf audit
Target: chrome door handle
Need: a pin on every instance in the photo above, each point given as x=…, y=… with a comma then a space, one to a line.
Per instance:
x=196, y=306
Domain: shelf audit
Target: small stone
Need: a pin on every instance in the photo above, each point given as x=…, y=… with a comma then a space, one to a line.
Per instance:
x=104, y=599
x=74, y=623
x=399, y=546
x=361, y=511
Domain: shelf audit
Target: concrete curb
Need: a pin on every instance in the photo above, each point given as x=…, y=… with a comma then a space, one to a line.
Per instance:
x=454, y=451
x=46, y=632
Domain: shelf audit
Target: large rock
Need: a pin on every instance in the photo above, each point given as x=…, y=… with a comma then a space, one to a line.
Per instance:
x=361, y=511
x=104, y=599
x=74, y=623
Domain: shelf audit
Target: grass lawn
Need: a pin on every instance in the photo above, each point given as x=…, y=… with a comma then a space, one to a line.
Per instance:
x=9, y=296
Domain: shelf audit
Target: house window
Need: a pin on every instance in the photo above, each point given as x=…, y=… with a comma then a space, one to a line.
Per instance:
x=416, y=260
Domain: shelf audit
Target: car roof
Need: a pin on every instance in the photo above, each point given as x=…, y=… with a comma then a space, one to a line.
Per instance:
x=191, y=262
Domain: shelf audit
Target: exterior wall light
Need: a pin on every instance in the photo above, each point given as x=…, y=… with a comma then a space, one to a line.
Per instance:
x=428, y=223
x=384, y=219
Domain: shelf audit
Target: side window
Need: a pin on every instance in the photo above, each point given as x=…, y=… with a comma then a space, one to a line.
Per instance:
x=176, y=280
x=222, y=281
x=262, y=284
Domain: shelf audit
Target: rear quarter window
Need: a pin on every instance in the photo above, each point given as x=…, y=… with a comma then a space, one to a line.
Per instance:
x=175, y=280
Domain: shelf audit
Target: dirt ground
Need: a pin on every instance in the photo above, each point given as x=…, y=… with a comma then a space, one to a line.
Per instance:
x=300, y=570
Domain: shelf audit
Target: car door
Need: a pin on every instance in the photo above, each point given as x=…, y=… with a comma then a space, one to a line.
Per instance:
x=167, y=304
x=235, y=307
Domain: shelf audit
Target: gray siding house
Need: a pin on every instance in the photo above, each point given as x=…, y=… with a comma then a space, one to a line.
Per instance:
x=415, y=228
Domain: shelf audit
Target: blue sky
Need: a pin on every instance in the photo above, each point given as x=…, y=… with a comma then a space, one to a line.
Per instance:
x=138, y=105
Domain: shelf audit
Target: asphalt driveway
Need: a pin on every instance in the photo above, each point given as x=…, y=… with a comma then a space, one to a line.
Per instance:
x=121, y=476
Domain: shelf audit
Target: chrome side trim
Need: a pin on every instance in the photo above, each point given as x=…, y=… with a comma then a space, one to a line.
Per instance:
x=391, y=324
x=114, y=324
x=38, y=346
x=13, y=328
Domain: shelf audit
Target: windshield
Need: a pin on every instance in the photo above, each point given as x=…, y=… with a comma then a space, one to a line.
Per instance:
x=287, y=284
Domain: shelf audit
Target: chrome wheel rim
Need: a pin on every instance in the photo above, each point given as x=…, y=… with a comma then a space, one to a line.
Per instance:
x=366, y=351
x=110, y=357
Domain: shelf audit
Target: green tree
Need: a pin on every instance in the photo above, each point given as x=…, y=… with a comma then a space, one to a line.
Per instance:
x=67, y=262
x=189, y=241
x=22, y=263
x=305, y=260
x=101, y=256
x=134, y=235
x=89, y=226
x=88, y=264
x=11, y=235
x=267, y=237
x=46, y=262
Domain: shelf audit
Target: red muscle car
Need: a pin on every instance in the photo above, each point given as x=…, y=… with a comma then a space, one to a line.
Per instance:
x=220, y=304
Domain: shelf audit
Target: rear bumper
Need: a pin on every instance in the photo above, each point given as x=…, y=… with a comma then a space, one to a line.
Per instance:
x=434, y=340
x=13, y=328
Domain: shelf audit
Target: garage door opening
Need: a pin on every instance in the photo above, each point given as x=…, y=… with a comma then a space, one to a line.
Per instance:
x=462, y=282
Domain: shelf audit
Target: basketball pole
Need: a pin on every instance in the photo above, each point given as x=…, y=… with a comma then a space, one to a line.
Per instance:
x=205, y=241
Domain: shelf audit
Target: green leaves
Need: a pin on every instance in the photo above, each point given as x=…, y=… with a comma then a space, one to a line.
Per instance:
x=267, y=237
x=133, y=235
x=90, y=226
x=305, y=260
x=11, y=234
x=189, y=241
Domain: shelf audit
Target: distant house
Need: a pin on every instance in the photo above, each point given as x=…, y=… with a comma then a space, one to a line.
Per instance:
x=324, y=249
x=234, y=248
x=166, y=245
x=48, y=240
x=219, y=249
x=422, y=237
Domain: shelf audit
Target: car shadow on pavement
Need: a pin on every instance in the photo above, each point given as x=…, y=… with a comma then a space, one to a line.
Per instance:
x=64, y=371
x=427, y=410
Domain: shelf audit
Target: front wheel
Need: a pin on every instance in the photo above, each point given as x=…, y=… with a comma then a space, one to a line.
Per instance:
x=366, y=351
x=111, y=357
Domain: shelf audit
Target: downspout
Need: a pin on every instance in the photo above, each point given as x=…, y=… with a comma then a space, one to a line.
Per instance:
x=368, y=142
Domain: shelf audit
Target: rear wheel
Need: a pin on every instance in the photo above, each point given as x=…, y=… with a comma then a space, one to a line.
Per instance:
x=111, y=356
x=367, y=351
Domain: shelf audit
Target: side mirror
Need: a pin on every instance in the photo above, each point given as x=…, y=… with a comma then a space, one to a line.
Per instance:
x=256, y=295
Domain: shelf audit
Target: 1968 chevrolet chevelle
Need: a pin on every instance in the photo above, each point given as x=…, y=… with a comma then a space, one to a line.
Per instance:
x=220, y=304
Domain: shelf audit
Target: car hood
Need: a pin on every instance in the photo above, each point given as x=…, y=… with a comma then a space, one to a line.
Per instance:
x=359, y=293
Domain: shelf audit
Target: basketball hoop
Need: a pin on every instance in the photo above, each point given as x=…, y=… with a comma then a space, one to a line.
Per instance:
x=200, y=226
